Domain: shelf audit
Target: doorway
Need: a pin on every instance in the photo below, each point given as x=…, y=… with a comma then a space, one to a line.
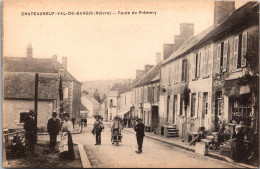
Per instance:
x=174, y=108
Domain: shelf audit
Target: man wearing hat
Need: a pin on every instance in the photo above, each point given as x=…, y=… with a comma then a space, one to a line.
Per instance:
x=30, y=133
x=53, y=130
x=139, y=129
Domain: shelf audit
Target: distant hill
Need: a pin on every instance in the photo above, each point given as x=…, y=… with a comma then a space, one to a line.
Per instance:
x=103, y=86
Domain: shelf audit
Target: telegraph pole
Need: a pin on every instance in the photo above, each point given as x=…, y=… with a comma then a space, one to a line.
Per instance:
x=36, y=101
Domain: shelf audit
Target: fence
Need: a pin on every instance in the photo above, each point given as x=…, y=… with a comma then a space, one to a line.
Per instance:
x=8, y=139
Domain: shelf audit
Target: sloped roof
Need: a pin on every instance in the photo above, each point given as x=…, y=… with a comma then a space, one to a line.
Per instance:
x=40, y=65
x=92, y=100
x=187, y=45
x=148, y=77
x=113, y=94
x=135, y=81
x=21, y=85
x=83, y=108
x=244, y=16
x=156, y=78
x=121, y=88
x=241, y=18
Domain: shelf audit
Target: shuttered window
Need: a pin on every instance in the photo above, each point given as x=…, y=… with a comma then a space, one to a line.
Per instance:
x=225, y=55
x=244, y=49
x=184, y=70
x=219, y=58
x=208, y=63
x=198, y=65
x=235, y=52
x=240, y=49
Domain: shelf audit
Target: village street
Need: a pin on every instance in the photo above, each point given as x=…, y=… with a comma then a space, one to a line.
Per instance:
x=155, y=154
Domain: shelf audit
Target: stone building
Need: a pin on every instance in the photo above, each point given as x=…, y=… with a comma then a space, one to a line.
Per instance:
x=18, y=97
x=91, y=104
x=71, y=86
x=199, y=79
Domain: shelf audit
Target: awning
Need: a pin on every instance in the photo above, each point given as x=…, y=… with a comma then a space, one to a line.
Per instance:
x=232, y=88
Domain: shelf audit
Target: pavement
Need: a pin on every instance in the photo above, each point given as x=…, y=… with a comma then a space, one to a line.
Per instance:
x=158, y=151
x=155, y=153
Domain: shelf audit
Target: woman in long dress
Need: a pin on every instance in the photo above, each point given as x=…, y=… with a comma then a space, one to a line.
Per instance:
x=66, y=143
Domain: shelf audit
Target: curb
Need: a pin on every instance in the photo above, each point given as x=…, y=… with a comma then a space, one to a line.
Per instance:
x=215, y=156
x=83, y=156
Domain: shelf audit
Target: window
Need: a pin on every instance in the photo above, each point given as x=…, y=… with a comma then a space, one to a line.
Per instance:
x=158, y=93
x=222, y=51
x=193, y=103
x=205, y=103
x=111, y=102
x=149, y=94
x=181, y=105
x=242, y=109
x=240, y=48
x=196, y=66
x=184, y=70
x=174, y=107
x=219, y=103
x=153, y=98
x=23, y=116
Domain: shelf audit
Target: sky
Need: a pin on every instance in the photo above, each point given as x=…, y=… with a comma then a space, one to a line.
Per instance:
x=100, y=47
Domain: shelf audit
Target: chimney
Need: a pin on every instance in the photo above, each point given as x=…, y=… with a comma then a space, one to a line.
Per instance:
x=54, y=58
x=64, y=62
x=29, y=51
x=158, y=57
x=139, y=73
x=147, y=67
x=222, y=9
x=186, y=32
x=168, y=49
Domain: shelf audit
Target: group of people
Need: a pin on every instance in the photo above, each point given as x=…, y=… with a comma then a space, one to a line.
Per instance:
x=116, y=130
x=54, y=126
x=66, y=150
x=83, y=122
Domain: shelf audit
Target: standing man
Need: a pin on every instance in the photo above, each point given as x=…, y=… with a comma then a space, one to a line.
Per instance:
x=139, y=129
x=53, y=127
x=30, y=133
x=73, y=121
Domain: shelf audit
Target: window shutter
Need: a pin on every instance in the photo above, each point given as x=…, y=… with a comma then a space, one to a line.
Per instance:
x=179, y=65
x=218, y=57
x=193, y=66
x=185, y=69
x=235, y=52
x=225, y=53
x=198, y=65
x=205, y=63
x=208, y=63
x=244, y=49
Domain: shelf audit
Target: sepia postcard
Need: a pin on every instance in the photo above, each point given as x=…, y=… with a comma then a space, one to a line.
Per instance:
x=130, y=84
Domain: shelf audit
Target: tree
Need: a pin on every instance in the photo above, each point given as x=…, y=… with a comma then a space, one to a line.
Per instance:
x=97, y=96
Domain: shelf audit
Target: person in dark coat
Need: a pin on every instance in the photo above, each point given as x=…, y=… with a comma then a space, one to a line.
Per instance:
x=53, y=127
x=98, y=127
x=85, y=122
x=139, y=129
x=73, y=121
x=30, y=132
